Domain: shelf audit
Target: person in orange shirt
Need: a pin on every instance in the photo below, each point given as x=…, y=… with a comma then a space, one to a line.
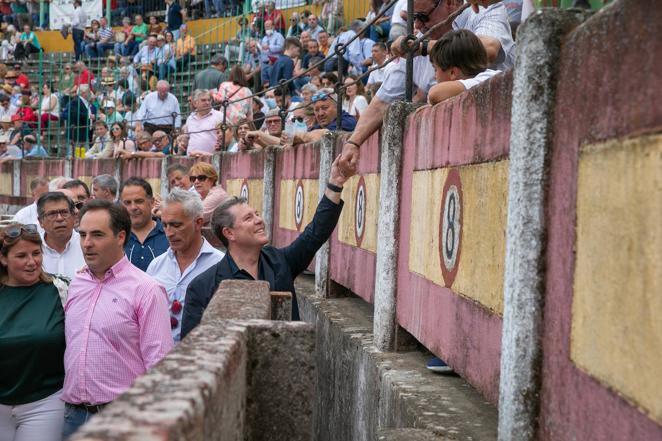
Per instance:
x=184, y=48
x=323, y=40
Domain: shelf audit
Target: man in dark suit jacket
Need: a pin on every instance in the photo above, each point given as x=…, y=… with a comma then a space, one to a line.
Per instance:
x=249, y=257
x=77, y=115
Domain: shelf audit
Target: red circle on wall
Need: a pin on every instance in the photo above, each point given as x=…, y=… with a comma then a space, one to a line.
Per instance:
x=360, y=211
x=450, y=227
x=298, y=205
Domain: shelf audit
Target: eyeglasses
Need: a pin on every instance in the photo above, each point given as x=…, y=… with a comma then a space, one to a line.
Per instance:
x=201, y=178
x=15, y=231
x=424, y=17
x=273, y=121
x=321, y=97
x=297, y=119
x=52, y=215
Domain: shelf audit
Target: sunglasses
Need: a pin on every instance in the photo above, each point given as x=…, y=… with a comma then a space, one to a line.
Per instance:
x=424, y=17
x=201, y=178
x=79, y=205
x=273, y=121
x=321, y=97
x=297, y=119
x=15, y=231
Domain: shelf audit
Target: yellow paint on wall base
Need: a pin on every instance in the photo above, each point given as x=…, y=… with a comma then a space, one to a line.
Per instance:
x=617, y=302
x=482, y=244
x=6, y=183
x=255, y=191
x=287, y=194
x=347, y=222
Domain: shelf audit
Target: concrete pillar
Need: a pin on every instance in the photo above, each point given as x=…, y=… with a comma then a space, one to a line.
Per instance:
x=268, y=182
x=68, y=167
x=327, y=154
x=164, y=177
x=534, y=88
x=384, y=326
x=16, y=187
x=118, y=173
x=216, y=162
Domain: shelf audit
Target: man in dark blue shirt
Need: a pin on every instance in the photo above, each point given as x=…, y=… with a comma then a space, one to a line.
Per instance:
x=147, y=239
x=283, y=68
x=174, y=17
x=249, y=256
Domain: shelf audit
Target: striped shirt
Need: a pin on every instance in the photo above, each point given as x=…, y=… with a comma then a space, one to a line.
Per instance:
x=106, y=34
x=116, y=329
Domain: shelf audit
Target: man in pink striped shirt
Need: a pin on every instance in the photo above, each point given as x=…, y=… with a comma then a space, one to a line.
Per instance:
x=117, y=323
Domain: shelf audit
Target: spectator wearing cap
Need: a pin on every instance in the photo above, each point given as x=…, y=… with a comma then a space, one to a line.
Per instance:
x=110, y=114
x=7, y=110
x=326, y=115
x=201, y=125
x=184, y=48
x=165, y=57
x=174, y=18
x=103, y=145
x=212, y=77
x=31, y=149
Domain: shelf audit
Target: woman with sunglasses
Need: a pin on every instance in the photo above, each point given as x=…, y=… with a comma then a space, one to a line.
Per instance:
x=204, y=177
x=119, y=140
x=32, y=331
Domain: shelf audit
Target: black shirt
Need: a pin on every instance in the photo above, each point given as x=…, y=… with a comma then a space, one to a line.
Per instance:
x=278, y=266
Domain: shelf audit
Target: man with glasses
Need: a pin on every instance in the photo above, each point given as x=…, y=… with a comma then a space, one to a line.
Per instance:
x=147, y=239
x=489, y=24
x=201, y=125
x=274, y=128
x=62, y=253
x=189, y=253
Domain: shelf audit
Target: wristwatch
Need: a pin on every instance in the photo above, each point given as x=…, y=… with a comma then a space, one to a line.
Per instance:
x=334, y=188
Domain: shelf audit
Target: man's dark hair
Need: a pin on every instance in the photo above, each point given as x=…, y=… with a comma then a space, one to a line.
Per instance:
x=222, y=218
x=137, y=182
x=282, y=91
x=100, y=123
x=78, y=183
x=53, y=196
x=177, y=167
x=128, y=99
x=219, y=59
x=119, y=216
x=461, y=49
x=292, y=41
x=380, y=45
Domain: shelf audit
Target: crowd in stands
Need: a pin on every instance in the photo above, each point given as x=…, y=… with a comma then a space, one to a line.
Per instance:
x=129, y=110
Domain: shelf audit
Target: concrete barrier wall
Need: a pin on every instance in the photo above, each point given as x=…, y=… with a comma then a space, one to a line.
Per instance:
x=452, y=230
x=602, y=331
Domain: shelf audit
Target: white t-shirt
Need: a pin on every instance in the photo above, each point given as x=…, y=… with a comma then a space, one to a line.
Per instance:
x=67, y=263
x=376, y=76
x=475, y=81
x=401, y=5
x=358, y=105
x=395, y=77
x=27, y=215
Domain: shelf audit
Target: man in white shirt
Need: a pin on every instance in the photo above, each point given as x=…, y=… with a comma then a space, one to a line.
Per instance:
x=398, y=21
x=489, y=24
x=189, y=253
x=28, y=215
x=78, y=23
x=63, y=255
x=157, y=110
x=379, y=53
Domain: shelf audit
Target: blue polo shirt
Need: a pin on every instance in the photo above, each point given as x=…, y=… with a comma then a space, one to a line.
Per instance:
x=347, y=123
x=142, y=254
